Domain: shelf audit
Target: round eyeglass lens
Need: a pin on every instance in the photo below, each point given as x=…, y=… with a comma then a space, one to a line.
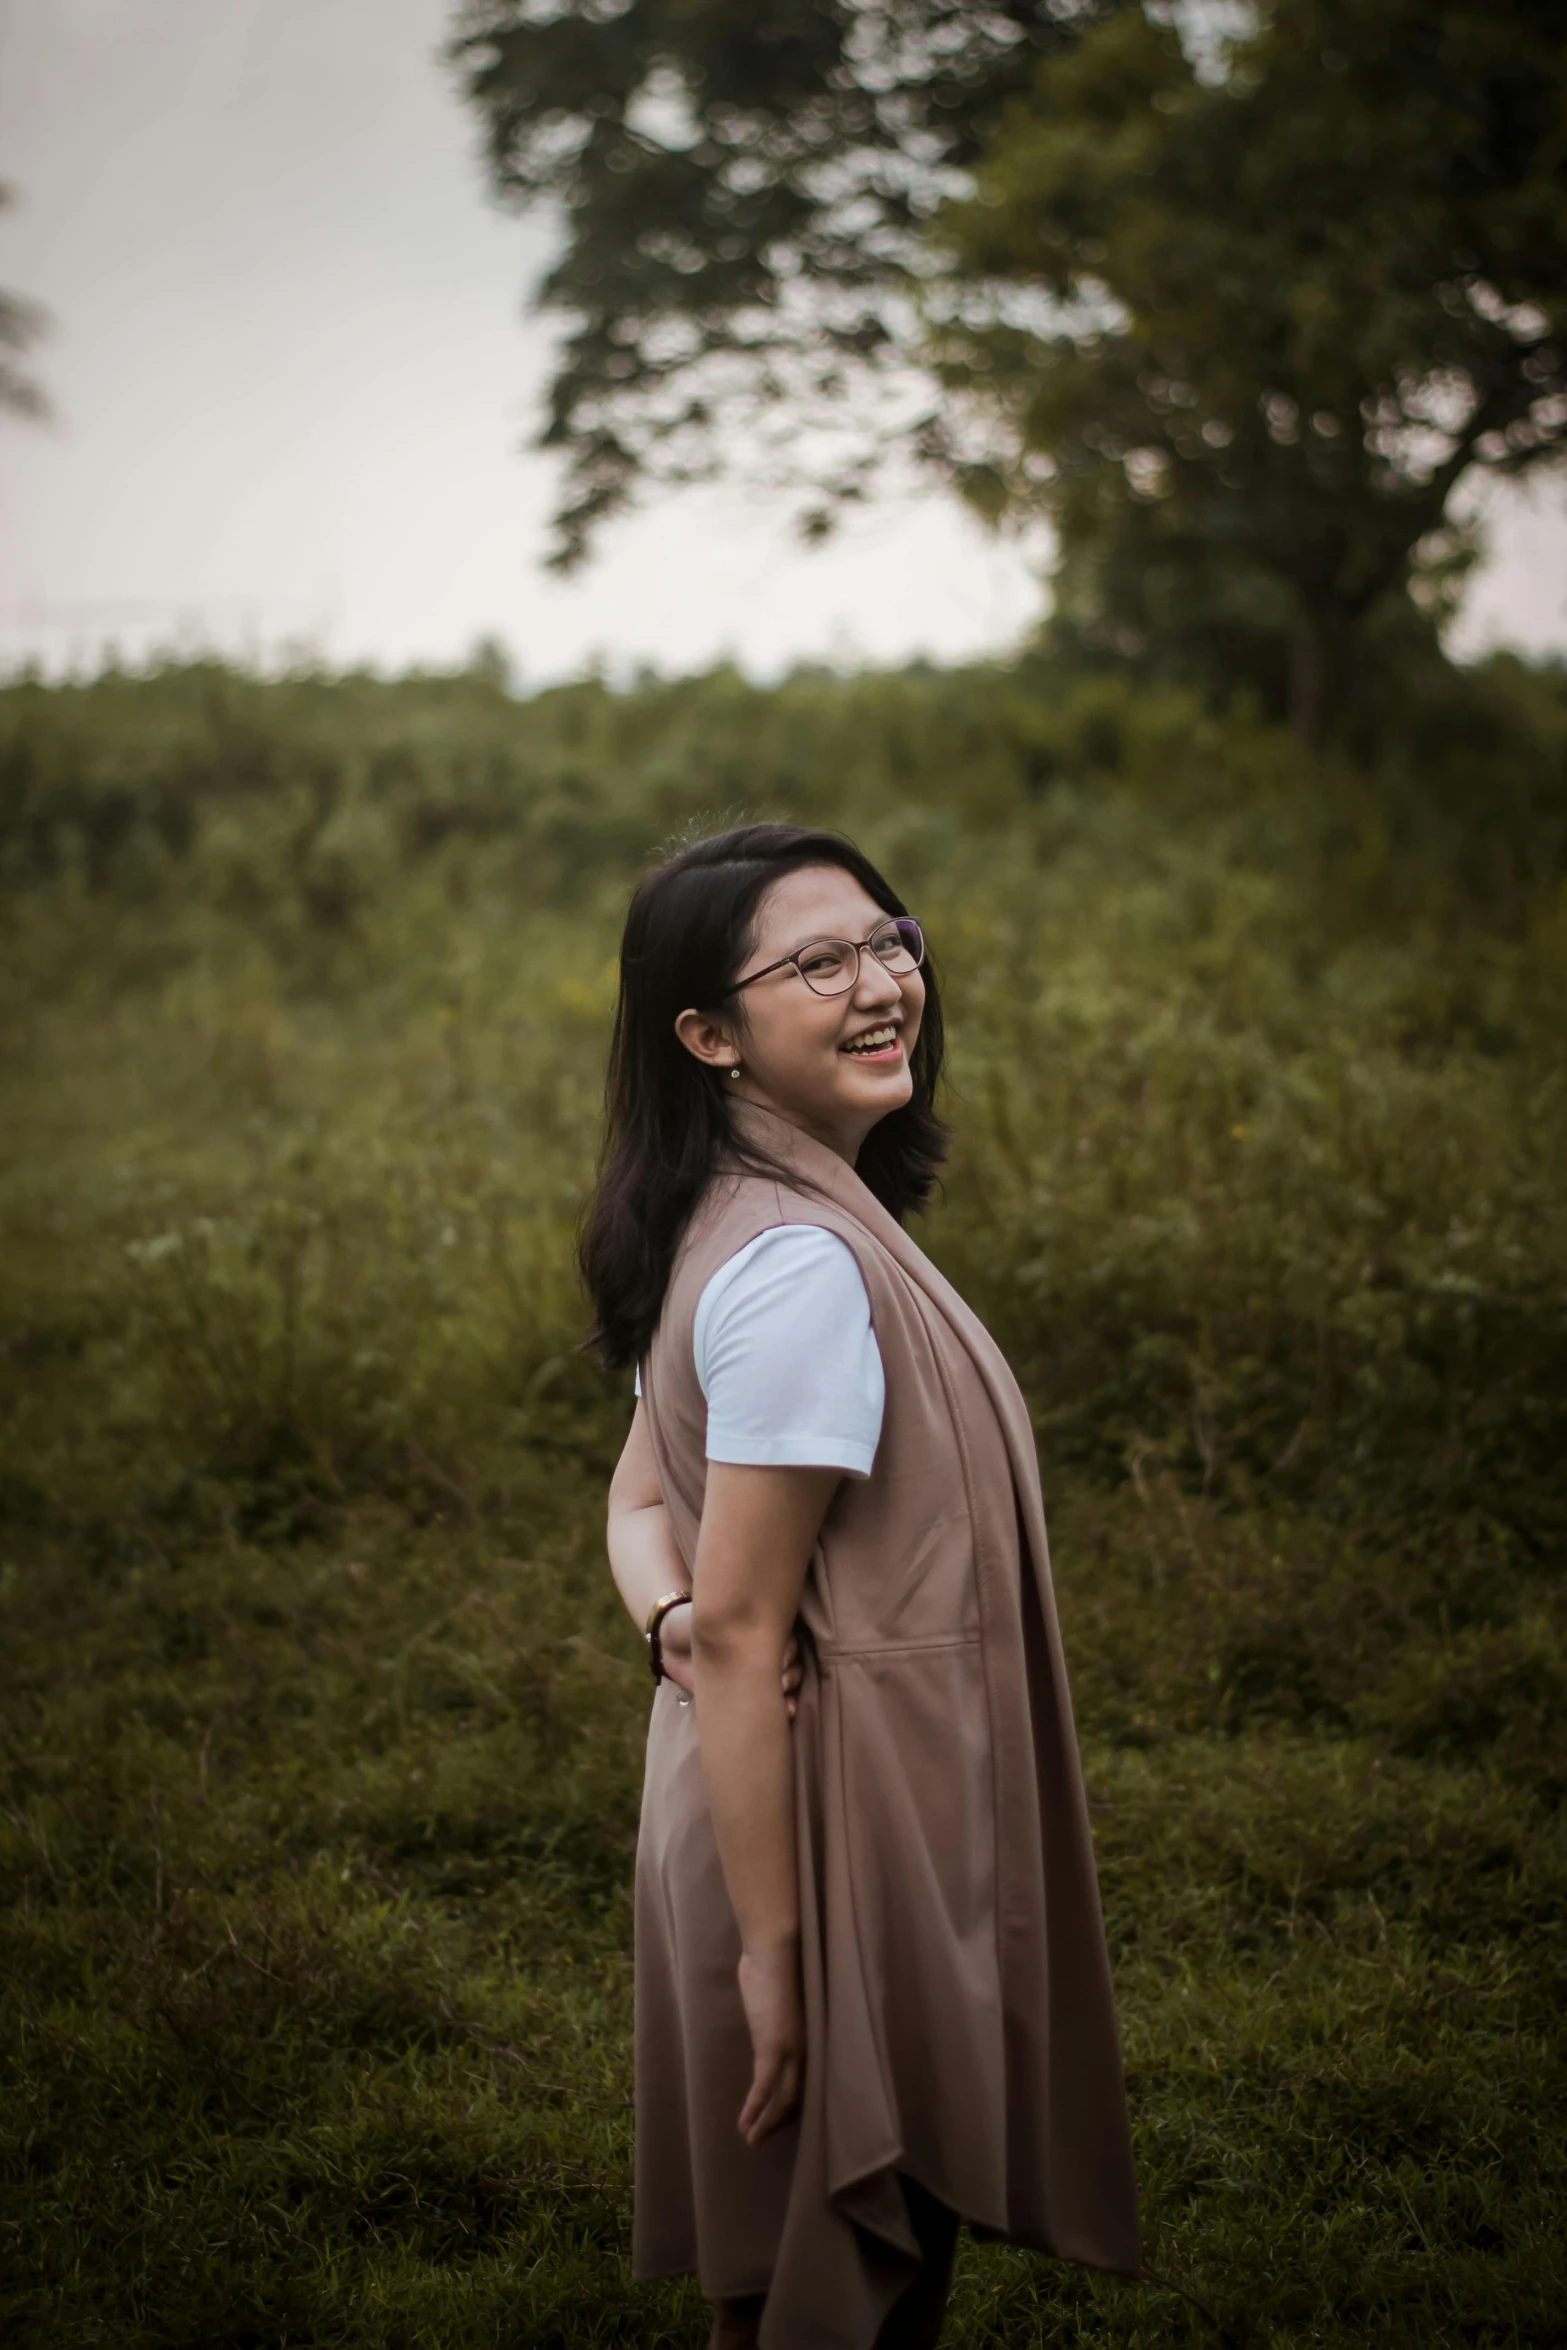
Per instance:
x=828, y=965
x=899, y=945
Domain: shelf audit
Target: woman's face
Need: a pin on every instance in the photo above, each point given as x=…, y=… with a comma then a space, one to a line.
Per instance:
x=794, y=1046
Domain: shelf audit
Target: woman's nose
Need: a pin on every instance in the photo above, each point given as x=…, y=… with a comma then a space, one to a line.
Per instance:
x=877, y=984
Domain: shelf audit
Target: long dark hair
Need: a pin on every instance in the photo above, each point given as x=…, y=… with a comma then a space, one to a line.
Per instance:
x=689, y=929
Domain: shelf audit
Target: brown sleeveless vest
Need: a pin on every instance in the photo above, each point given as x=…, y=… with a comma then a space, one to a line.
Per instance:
x=959, y=2019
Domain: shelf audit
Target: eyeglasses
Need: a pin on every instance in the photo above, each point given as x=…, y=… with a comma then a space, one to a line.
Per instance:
x=831, y=966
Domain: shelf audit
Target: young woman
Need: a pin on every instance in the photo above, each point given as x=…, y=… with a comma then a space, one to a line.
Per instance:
x=872, y=1996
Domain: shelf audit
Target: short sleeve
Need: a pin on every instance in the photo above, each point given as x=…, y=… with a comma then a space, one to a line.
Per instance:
x=786, y=1355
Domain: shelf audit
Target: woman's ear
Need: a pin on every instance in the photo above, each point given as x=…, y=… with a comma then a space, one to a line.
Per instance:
x=711, y=1041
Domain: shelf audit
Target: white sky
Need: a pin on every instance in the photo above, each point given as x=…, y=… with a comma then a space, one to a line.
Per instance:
x=294, y=387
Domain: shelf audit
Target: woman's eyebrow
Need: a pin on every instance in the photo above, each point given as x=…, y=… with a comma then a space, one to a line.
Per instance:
x=817, y=935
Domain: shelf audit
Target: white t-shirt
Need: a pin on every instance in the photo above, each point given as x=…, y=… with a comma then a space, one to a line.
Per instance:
x=786, y=1356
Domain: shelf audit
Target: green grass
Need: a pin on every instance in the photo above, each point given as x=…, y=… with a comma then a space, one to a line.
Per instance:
x=321, y=1728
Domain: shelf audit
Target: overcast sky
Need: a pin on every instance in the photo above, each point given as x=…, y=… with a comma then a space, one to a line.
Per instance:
x=294, y=386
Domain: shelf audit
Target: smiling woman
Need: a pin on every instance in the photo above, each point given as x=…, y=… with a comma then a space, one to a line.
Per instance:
x=872, y=1002
x=859, y=2020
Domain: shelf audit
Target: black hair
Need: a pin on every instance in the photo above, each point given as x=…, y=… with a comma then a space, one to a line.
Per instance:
x=689, y=929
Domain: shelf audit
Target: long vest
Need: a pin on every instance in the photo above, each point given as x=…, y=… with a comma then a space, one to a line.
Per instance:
x=959, y=2019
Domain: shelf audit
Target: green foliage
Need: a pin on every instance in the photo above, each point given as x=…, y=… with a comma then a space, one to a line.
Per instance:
x=1235, y=301
x=742, y=189
x=320, y=1736
x=1248, y=328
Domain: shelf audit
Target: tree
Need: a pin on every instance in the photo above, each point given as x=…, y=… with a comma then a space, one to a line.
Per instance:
x=744, y=189
x=1236, y=314
x=21, y=323
x=1241, y=334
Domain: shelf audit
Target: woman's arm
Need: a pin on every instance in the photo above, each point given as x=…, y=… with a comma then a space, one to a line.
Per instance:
x=642, y=1555
x=758, y=1528
x=645, y=1562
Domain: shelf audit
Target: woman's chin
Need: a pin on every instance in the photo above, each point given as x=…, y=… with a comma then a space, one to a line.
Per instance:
x=851, y=1096
x=881, y=1086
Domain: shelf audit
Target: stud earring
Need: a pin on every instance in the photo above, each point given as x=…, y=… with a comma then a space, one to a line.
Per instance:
x=734, y=1068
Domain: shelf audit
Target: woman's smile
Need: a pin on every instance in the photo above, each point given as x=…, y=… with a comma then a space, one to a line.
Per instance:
x=875, y=1044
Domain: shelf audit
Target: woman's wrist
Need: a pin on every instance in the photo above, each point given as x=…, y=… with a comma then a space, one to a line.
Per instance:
x=662, y=1608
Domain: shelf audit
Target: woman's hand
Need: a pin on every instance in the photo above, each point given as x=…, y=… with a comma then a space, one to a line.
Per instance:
x=775, y=2012
x=674, y=1643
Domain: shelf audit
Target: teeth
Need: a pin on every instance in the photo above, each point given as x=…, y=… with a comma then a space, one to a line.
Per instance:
x=866, y=1044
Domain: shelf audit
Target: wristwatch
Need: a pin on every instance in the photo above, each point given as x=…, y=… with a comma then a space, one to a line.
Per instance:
x=654, y=1626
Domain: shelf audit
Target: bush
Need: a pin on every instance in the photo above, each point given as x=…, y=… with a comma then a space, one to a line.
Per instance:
x=322, y=1724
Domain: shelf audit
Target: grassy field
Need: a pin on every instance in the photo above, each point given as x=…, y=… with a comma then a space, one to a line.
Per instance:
x=321, y=1730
